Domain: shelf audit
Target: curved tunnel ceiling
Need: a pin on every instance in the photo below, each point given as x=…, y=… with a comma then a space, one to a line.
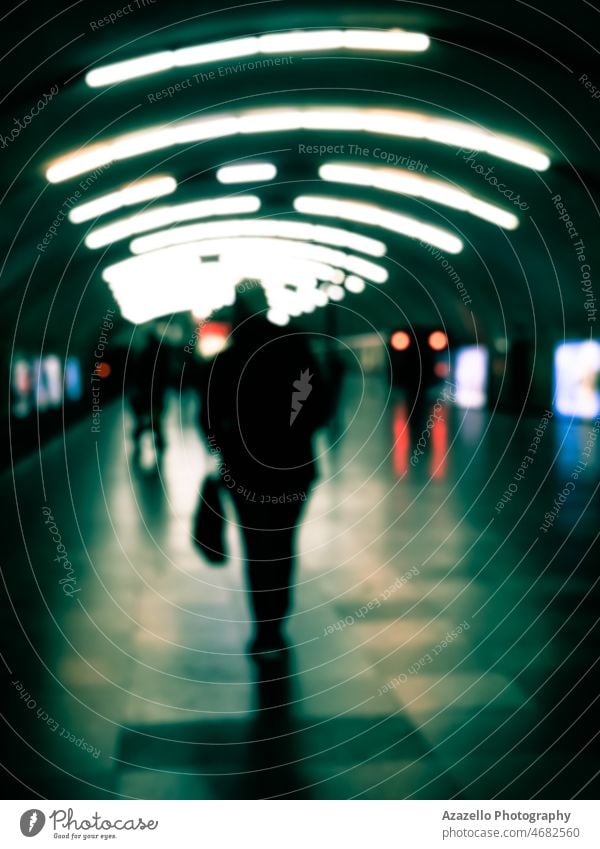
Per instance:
x=102, y=154
x=389, y=124
x=413, y=125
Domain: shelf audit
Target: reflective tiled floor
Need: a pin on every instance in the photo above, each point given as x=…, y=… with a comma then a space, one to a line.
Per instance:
x=443, y=646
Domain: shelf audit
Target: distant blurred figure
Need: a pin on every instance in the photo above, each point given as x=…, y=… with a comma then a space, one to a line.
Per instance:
x=411, y=363
x=263, y=399
x=519, y=365
x=147, y=380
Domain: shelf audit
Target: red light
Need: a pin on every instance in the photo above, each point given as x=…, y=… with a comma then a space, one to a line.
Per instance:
x=400, y=340
x=401, y=440
x=439, y=448
x=215, y=328
x=441, y=369
x=102, y=370
x=438, y=340
x=214, y=336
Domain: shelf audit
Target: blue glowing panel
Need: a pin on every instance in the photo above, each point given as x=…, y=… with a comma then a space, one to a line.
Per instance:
x=72, y=379
x=576, y=372
x=471, y=377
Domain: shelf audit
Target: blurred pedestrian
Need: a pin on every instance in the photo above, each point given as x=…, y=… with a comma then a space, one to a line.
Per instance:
x=263, y=400
x=147, y=380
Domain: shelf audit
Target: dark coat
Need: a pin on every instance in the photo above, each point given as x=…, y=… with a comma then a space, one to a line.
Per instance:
x=263, y=399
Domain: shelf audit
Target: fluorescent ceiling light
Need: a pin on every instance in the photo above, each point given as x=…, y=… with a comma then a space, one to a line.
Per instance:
x=164, y=216
x=376, y=216
x=393, y=122
x=148, y=288
x=392, y=41
x=198, y=54
x=403, y=182
x=174, y=280
x=354, y=284
x=338, y=237
x=335, y=293
x=278, y=317
x=251, y=172
x=275, y=268
x=282, y=250
x=298, y=41
x=138, y=192
x=305, y=297
x=152, y=63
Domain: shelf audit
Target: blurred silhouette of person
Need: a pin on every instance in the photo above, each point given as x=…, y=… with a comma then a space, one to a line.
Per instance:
x=418, y=376
x=147, y=382
x=520, y=365
x=412, y=372
x=264, y=398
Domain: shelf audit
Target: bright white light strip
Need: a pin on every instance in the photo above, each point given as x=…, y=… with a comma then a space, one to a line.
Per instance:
x=375, y=216
x=278, y=317
x=392, y=122
x=138, y=192
x=149, y=290
x=403, y=182
x=335, y=293
x=167, y=215
x=354, y=284
x=338, y=237
x=251, y=172
x=392, y=41
x=271, y=268
x=174, y=280
x=283, y=249
x=275, y=268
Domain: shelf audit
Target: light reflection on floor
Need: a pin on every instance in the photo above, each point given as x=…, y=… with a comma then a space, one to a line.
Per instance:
x=386, y=694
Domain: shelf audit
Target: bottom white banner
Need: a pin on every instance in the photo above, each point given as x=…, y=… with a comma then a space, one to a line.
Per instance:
x=293, y=824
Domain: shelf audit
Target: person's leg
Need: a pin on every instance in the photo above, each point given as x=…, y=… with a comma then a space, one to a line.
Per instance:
x=269, y=534
x=269, y=571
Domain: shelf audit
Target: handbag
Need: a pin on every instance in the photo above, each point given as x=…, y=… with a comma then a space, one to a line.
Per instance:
x=209, y=523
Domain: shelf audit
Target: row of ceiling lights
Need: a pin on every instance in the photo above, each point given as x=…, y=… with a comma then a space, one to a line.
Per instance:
x=398, y=123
